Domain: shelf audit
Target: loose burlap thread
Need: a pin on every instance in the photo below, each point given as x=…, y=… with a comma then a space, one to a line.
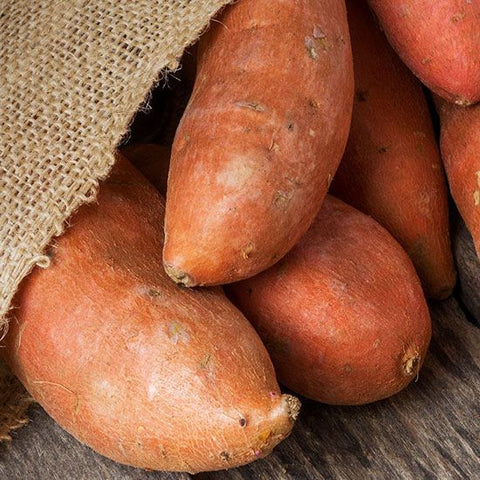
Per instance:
x=73, y=74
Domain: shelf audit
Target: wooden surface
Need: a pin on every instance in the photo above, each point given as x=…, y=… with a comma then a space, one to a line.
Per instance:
x=431, y=430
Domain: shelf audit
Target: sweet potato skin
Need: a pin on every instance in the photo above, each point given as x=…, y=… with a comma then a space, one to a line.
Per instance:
x=143, y=371
x=260, y=139
x=343, y=313
x=391, y=168
x=460, y=147
x=439, y=41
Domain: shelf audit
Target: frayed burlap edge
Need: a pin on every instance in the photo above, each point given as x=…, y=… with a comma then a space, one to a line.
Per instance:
x=58, y=135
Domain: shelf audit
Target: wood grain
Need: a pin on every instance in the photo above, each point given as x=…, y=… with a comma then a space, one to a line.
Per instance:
x=468, y=266
x=431, y=430
x=43, y=451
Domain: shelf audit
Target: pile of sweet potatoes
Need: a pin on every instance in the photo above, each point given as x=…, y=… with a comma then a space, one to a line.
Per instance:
x=290, y=100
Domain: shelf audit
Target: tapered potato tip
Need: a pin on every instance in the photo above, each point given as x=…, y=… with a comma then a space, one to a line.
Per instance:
x=178, y=275
x=165, y=378
x=257, y=434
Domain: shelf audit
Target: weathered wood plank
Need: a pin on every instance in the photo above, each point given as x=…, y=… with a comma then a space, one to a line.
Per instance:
x=431, y=430
x=468, y=267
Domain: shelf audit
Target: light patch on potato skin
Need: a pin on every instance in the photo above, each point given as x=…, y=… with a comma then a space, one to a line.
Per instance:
x=237, y=172
x=265, y=126
x=136, y=367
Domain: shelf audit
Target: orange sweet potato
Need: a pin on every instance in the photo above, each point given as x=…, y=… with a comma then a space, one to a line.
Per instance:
x=152, y=160
x=343, y=313
x=440, y=42
x=143, y=371
x=260, y=139
x=460, y=146
x=392, y=168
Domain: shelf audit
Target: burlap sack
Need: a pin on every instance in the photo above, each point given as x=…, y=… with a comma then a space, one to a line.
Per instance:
x=74, y=72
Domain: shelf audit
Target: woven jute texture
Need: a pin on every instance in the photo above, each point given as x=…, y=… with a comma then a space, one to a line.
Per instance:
x=73, y=73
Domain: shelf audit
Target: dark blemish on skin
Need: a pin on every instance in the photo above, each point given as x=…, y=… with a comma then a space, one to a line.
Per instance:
x=153, y=293
x=324, y=44
x=204, y=362
x=361, y=95
x=314, y=104
x=225, y=456
x=291, y=127
x=265, y=436
x=257, y=107
x=382, y=150
x=457, y=17
x=163, y=452
x=249, y=290
x=243, y=422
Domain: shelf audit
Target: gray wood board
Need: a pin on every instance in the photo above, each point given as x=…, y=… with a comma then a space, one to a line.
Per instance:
x=430, y=430
x=468, y=267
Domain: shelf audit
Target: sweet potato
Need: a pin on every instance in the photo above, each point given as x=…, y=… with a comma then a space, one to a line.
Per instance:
x=460, y=147
x=260, y=139
x=343, y=313
x=152, y=160
x=145, y=372
x=391, y=169
x=440, y=42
